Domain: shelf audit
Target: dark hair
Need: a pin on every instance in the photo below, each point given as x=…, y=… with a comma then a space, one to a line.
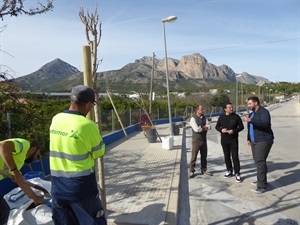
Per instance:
x=254, y=99
x=198, y=108
x=225, y=105
x=34, y=143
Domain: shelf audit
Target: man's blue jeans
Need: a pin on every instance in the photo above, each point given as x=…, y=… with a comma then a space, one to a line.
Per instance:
x=88, y=211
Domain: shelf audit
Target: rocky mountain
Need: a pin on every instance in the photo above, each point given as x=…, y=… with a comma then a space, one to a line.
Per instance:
x=48, y=75
x=192, y=66
x=246, y=78
x=191, y=71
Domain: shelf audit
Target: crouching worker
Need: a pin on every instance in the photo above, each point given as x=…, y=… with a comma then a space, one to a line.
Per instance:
x=75, y=143
x=13, y=154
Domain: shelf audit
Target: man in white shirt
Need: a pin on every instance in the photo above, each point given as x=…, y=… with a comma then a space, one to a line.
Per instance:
x=200, y=126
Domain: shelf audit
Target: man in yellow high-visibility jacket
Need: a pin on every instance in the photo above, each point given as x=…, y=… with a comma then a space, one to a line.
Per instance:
x=75, y=143
x=14, y=153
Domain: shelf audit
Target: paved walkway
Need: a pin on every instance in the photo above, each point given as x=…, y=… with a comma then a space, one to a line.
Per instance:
x=142, y=180
x=146, y=184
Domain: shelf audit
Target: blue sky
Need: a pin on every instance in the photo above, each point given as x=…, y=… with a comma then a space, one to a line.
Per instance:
x=261, y=37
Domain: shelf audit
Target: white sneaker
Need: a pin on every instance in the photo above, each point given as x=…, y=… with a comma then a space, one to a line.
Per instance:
x=228, y=174
x=238, y=178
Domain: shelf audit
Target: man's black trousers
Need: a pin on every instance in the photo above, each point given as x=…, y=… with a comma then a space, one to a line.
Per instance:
x=231, y=150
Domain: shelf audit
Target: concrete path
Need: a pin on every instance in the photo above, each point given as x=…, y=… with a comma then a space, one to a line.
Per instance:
x=142, y=180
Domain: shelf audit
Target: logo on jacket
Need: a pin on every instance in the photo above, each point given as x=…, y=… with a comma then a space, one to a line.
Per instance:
x=74, y=134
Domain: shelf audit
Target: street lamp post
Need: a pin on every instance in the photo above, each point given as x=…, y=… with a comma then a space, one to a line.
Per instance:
x=166, y=20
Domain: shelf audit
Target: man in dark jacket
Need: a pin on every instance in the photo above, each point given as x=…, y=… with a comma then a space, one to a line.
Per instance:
x=260, y=138
x=229, y=125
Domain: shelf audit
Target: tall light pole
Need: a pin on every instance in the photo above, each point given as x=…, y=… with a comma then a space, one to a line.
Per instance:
x=236, y=93
x=166, y=20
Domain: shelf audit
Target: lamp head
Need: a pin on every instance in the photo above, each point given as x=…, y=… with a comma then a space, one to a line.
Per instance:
x=169, y=19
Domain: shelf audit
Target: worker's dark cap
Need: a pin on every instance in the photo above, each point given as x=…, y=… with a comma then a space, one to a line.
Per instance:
x=83, y=93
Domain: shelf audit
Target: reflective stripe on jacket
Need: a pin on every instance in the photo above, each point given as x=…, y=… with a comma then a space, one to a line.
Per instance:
x=75, y=143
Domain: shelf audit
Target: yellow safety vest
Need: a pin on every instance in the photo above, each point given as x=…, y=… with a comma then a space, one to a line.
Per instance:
x=19, y=155
x=75, y=143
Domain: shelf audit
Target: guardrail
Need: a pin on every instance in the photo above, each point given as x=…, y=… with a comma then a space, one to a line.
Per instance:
x=43, y=164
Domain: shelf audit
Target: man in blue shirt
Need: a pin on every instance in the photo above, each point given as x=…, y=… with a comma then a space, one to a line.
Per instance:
x=260, y=138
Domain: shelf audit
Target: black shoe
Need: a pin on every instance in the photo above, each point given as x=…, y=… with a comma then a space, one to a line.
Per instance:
x=228, y=174
x=260, y=190
x=191, y=174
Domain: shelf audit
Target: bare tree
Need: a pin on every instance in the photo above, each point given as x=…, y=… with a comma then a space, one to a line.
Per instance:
x=17, y=7
x=93, y=34
x=93, y=28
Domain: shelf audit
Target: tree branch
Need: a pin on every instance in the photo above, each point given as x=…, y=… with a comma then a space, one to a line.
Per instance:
x=17, y=7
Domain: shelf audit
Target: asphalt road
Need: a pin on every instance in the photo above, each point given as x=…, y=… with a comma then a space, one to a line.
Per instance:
x=214, y=200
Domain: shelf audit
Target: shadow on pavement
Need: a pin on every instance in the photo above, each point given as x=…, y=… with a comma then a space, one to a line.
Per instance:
x=138, y=216
x=289, y=177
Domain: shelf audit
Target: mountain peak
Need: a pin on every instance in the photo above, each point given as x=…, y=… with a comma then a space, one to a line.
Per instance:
x=49, y=74
x=247, y=78
x=58, y=67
